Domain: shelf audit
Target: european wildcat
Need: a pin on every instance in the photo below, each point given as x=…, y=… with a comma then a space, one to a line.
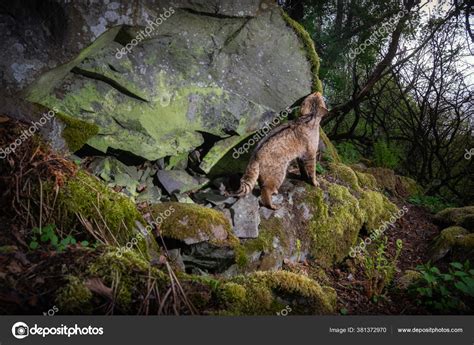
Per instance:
x=297, y=139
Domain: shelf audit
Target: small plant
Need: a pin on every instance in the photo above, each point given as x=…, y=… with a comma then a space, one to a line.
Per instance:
x=433, y=203
x=298, y=249
x=379, y=268
x=386, y=155
x=47, y=235
x=445, y=292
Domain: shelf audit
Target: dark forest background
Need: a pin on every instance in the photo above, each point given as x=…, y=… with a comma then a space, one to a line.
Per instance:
x=404, y=100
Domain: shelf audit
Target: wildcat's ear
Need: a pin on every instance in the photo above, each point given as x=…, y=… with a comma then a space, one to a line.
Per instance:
x=322, y=111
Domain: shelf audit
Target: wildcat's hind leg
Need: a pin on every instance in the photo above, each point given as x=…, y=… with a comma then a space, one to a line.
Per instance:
x=268, y=189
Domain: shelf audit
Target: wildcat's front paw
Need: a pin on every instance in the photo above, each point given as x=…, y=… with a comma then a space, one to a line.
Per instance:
x=314, y=182
x=271, y=206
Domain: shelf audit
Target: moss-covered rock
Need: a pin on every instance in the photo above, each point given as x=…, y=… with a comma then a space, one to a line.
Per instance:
x=454, y=238
x=396, y=185
x=461, y=216
x=127, y=272
x=377, y=208
x=366, y=180
x=74, y=297
x=386, y=179
x=321, y=222
x=268, y=293
x=192, y=223
x=340, y=212
x=77, y=132
x=270, y=248
x=345, y=174
x=336, y=222
x=130, y=276
x=407, y=187
x=113, y=215
x=408, y=278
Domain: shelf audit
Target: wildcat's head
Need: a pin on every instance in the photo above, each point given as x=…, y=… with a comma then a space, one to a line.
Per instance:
x=314, y=105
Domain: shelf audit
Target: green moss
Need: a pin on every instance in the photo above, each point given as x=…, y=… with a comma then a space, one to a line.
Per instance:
x=258, y=293
x=455, y=239
x=40, y=89
x=127, y=272
x=408, y=186
x=462, y=216
x=309, y=47
x=466, y=242
x=344, y=173
x=233, y=296
x=74, y=297
x=331, y=151
x=268, y=229
x=335, y=224
x=377, y=208
x=339, y=215
x=267, y=293
x=241, y=258
x=450, y=235
x=192, y=221
x=115, y=214
x=366, y=180
x=77, y=132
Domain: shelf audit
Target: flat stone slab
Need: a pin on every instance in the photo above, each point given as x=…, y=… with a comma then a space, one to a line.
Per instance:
x=179, y=181
x=246, y=217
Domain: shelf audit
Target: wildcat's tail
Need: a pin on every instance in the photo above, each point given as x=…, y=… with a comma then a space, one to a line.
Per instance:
x=249, y=180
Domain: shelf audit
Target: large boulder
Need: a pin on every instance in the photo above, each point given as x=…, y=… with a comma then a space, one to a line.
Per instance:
x=41, y=34
x=396, y=185
x=196, y=74
x=459, y=216
x=455, y=240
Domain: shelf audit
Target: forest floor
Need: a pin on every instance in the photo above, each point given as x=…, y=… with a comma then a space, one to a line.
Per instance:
x=416, y=229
